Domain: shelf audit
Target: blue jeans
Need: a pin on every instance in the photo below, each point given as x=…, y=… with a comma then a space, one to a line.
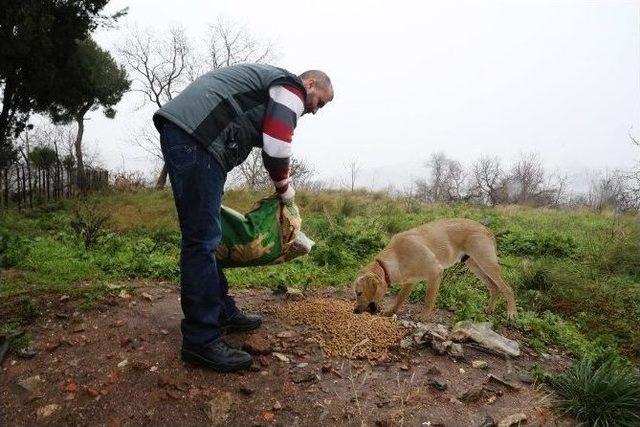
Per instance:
x=197, y=181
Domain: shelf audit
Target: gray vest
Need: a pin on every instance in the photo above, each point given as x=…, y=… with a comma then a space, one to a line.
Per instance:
x=224, y=109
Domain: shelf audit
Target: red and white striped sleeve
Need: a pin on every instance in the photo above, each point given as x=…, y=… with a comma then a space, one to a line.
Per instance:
x=286, y=105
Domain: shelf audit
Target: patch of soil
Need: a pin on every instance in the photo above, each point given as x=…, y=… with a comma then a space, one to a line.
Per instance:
x=119, y=365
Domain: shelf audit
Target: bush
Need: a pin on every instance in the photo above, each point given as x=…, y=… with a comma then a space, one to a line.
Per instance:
x=599, y=391
x=527, y=243
x=88, y=223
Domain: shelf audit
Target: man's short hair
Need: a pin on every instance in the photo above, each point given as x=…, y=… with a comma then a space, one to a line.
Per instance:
x=319, y=76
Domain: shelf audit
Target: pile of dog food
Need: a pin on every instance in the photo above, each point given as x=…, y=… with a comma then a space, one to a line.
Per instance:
x=340, y=332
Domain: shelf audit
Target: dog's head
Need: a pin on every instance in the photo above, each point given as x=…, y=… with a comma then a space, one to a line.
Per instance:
x=369, y=289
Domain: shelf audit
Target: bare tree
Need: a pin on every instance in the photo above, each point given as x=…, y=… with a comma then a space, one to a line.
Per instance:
x=302, y=173
x=159, y=67
x=163, y=64
x=489, y=180
x=445, y=181
x=353, y=169
x=527, y=177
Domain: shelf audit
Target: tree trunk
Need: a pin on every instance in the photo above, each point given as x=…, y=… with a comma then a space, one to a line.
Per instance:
x=81, y=179
x=162, y=178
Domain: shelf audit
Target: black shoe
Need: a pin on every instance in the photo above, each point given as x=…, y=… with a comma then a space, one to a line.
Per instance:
x=241, y=322
x=218, y=356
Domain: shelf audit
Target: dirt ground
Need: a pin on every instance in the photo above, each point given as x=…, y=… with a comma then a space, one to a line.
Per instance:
x=118, y=365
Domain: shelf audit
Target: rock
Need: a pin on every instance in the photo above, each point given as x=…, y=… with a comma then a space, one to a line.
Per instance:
x=147, y=296
x=480, y=364
x=281, y=357
x=303, y=377
x=71, y=387
x=269, y=417
x=438, y=385
x=218, y=409
x=79, y=328
x=512, y=420
x=455, y=401
x=124, y=294
x=404, y=367
x=455, y=350
x=256, y=344
x=47, y=411
x=124, y=363
x=31, y=384
x=473, y=394
x=277, y=406
x=286, y=334
x=164, y=332
x=482, y=334
x=440, y=347
x=406, y=342
x=92, y=392
x=433, y=370
x=302, y=365
x=64, y=298
x=487, y=422
x=294, y=294
x=503, y=382
x=247, y=390
x=153, y=368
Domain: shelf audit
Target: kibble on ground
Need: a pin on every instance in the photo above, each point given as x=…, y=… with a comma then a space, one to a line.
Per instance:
x=339, y=331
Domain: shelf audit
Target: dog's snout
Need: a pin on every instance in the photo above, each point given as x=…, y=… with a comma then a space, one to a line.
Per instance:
x=372, y=307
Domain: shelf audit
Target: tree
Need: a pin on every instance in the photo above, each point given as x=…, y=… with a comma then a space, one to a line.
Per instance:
x=527, y=177
x=36, y=39
x=162, y=65
x=489, y=180
x=98, y=81
x=445, y=181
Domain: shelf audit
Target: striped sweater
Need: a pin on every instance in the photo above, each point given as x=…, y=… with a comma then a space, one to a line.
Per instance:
x=286, y=105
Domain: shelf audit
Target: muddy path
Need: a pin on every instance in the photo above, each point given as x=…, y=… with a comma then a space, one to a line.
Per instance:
x=117, y=364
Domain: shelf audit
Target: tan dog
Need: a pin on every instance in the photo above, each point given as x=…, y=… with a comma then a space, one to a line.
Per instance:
x=423, y=253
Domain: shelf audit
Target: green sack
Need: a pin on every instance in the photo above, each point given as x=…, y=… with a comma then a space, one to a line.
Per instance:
x=268, y=234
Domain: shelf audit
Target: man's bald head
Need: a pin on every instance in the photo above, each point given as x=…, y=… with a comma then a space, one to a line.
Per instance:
x=319, y=90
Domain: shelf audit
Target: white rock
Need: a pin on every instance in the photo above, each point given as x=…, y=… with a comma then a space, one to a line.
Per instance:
x=281, y=357
x=47, y=411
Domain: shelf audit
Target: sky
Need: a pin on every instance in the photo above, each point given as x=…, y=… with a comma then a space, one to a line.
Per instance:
x=466, y=78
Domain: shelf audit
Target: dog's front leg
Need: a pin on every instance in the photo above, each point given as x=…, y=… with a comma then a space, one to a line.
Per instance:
x=405, y=290
x=430, y=295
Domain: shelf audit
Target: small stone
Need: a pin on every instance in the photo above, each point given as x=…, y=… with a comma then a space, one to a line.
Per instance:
x=487, y=421
x=462, y=371
x=294, y=294
x=286, y=334
x=480, y=364
x=256, y=344
x=92, y=392
x=438, y=385
x=404, y=367
x=491, y=400
x=514, y=419
x=455, y=401
x=27, y=353
x=473, y=394
x=303, y=377
x=281, y=357
x=124, y=294
x=47, y=411
x=455, y=350
x=31, y=384
x=277, y=406
x=71, y=387
x=124, y=363
x=406, y=342
x=147, y=296
x=79, y=328
x=247, y=390
x=302, y=365
x=64, y=298
x=153, y=368
x=269, y=417
x=164, y=332
x=433, y=370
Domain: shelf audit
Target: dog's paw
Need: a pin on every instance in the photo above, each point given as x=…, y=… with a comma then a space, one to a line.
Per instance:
x=423, y=317
x=512, y=315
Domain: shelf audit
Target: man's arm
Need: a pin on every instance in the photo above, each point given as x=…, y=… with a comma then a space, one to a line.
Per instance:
x=286, y=105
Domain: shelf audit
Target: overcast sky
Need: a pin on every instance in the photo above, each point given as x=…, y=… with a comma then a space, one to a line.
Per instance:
x=560, y=78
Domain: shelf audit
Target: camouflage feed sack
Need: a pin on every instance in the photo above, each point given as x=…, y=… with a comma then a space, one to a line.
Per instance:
x=268, y=234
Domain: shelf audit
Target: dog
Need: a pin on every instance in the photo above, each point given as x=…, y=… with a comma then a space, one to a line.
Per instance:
x=423, y=253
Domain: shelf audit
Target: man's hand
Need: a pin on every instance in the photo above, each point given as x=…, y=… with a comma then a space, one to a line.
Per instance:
x=288, y=196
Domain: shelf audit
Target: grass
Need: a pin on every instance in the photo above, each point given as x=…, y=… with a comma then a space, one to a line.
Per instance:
x=575, y=274
x=599, y=391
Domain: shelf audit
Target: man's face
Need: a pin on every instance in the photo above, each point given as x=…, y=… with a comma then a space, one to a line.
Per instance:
x=317, y=96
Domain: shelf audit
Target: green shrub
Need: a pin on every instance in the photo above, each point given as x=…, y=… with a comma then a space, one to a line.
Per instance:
x=530, y=243
x=599, y=391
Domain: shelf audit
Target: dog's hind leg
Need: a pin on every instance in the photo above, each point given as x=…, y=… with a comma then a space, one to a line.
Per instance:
x=405, y=290
x=484, y=254
x=493, y=288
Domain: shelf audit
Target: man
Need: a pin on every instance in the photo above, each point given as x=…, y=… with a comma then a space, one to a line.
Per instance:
x=205, y=132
